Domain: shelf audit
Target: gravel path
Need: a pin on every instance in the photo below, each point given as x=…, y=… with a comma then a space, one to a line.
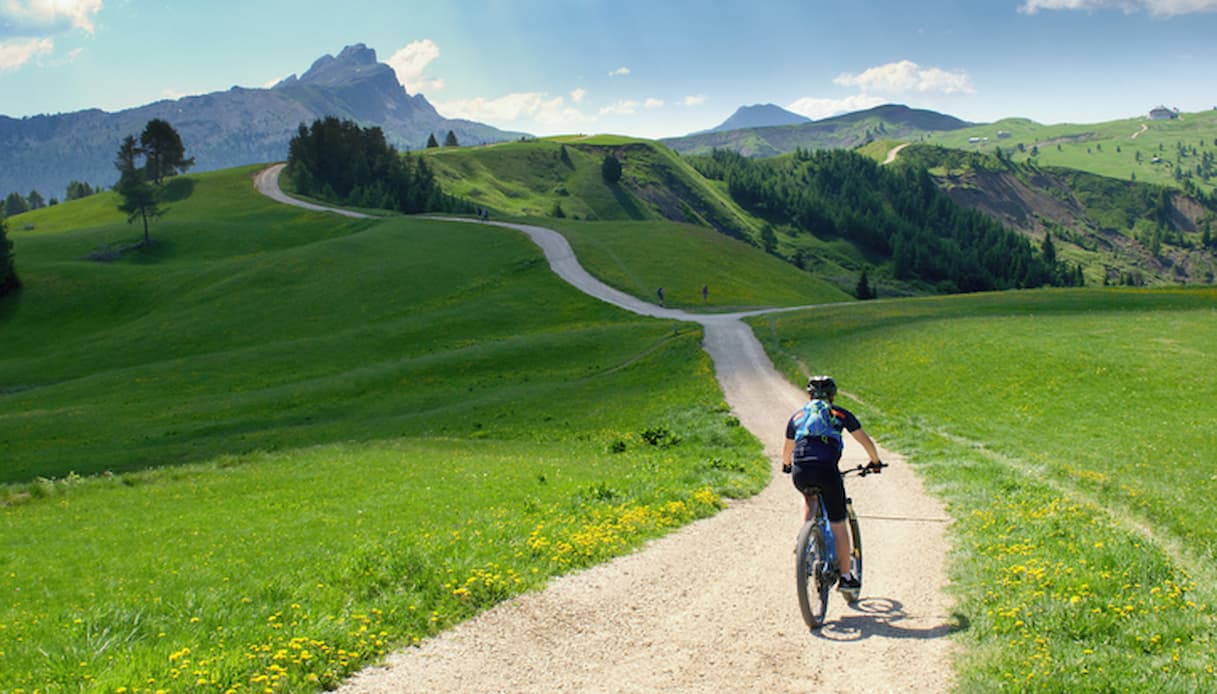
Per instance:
x=712, y=606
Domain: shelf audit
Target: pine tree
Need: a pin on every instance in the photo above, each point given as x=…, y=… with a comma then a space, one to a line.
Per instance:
x=863, y=290
x=164, y=154
x=140, y=199
x=610, y=168
x=450, y=140
x=8, y=274
x=431, y=141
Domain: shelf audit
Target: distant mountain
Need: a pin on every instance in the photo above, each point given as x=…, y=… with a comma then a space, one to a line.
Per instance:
x=890, y=121
x=225, y=129
x=759, y=116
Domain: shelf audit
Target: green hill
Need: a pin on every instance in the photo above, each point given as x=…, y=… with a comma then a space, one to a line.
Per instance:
x=1180, y=153
x=561, y=177
x=279, y=431
x=1121, y=231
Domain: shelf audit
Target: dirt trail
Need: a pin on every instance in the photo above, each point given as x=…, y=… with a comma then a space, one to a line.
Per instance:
x=711, y=607
x=891, y=153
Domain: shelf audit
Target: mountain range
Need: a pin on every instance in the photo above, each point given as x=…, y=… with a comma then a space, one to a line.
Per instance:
x=230, y=128
x=767, y=131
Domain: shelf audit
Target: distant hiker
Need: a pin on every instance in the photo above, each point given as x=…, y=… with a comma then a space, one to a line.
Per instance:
x=705, y=292
x=659, y=293
x=811, y=453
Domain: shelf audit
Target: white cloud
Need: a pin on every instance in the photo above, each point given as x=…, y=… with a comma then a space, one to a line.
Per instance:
x=411, y=62
x=908, y=77
x=1160, y=8
x=620, y=108
x=695, y=100
x=816, y=108
x=14, y=54
x=620, y=72
x=653, y=103
x=43, y=16
x=522, y=106
x=578, y=94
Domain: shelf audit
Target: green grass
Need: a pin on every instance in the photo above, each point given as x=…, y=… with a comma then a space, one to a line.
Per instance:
x=539, y=178
x=1070, y=433
x=1108, y=149
x=278, y=444
x=639, y=257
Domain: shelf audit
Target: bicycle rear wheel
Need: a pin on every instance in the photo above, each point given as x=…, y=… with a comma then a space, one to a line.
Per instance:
x=811, y=574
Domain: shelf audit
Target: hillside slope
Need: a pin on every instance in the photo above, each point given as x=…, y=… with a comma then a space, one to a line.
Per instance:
x=562, y=177
x=1120, y=231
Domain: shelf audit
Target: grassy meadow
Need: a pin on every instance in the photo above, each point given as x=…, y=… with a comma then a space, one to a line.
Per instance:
x=639, y=257
x=1070, y=434
x=1119, y=149
x=277, y=444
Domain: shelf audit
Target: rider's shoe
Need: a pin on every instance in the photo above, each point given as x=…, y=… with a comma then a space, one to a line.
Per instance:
x=849, y=584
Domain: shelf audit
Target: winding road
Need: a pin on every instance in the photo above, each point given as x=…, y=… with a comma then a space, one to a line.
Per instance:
x=710, y=607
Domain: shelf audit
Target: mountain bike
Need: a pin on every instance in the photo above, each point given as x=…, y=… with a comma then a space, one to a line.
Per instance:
x=816, y=565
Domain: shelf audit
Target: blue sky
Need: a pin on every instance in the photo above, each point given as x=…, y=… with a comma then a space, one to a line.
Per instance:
x=650, y=68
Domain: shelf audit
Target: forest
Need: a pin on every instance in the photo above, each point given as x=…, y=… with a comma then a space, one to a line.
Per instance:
x=898, y=214
x=345, y=164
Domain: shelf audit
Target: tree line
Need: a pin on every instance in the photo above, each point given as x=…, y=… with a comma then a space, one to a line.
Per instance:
x=8, y=273
x=16, y=203
x=340, y=162
x=899, y=214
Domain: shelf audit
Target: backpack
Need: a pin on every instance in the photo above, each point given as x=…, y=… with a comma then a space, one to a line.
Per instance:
x=817, y=421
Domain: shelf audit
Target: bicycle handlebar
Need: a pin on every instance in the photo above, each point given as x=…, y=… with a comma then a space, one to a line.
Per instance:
x=868, y=469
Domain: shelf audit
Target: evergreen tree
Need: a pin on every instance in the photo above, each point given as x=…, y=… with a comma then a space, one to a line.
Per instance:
x=1048, y=249
x=450, y=140
x=14, y=205
x=8, y=273
x=863, y=290
x=769, y=240
x=35, y=200
x=140, y=199
x=431, y=141
x=610, y=169
x=77, y=190
x=340, y=162
x=164, y=154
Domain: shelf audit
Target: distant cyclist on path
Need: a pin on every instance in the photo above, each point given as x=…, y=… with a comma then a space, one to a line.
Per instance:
x=659, y=293
x=812, y=450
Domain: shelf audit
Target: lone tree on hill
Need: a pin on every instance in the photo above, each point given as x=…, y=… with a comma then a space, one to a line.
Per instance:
x=164, y=155
x=139, y=197
x=450, y=140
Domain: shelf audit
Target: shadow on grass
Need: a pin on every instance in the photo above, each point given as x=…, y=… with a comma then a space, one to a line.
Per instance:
x=886, y=618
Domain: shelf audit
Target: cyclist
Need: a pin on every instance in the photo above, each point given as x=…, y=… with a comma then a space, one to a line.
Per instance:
x=812, y=459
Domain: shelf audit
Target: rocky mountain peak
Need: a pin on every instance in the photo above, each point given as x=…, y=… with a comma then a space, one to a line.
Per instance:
x=355, y=63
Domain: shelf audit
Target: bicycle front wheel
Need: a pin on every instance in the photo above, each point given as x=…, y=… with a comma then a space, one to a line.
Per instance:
x=851, y=596
x=811, y=574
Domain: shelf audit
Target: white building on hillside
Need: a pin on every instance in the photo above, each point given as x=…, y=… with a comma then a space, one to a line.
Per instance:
x=1163, y=113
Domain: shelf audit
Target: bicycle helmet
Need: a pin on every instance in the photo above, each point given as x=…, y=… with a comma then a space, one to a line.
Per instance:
x=821, y=387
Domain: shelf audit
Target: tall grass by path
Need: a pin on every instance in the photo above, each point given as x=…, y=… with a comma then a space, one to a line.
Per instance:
x=278, y=444
x=1070, y=433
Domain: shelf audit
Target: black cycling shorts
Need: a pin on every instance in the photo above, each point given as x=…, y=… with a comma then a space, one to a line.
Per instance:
x=826, y=476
